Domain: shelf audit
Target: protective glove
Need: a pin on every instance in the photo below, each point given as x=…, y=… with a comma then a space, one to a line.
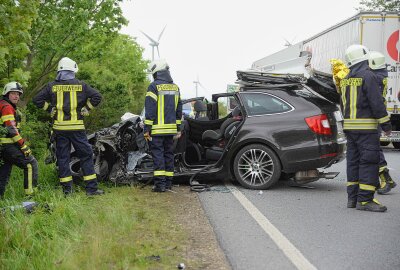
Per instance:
x=53, y=112
x=26, y=150
x=85, y=111
x=147, y=136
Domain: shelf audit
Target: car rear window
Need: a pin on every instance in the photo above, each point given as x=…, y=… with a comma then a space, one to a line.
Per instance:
x=262, y=103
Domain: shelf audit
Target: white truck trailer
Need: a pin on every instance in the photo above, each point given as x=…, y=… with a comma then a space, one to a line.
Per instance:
x=379, y=31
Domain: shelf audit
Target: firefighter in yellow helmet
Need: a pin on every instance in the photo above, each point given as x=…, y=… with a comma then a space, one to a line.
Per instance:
x=163, y=109
x=68, y=101
x=377, y=64
x=363, y=110
x=13, y=148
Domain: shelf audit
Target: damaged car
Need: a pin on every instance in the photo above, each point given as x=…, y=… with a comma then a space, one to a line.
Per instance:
x=274, y=127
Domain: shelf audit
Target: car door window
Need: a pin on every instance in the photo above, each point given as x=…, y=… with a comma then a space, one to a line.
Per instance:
x=260, y=103
x=223, y=107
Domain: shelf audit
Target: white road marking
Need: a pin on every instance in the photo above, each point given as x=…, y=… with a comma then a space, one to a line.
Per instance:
x=291, y=252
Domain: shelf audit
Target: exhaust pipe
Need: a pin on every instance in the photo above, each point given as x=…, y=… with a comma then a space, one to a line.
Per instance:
x=304, y=177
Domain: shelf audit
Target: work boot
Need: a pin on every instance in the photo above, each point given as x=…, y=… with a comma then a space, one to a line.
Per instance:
x=158, y=189
x=91, y=188
x=392, y=183
x=67, y=189
x=384, y=189
x=95, y=192
x=386, y=182
x=168, y=184
x=351, y=203
x=373, y=206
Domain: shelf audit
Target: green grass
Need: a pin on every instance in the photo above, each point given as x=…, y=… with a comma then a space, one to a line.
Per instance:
x=124, y=229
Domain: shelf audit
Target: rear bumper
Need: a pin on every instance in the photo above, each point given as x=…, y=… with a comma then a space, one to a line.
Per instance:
x=394, y=137
x=315, y=157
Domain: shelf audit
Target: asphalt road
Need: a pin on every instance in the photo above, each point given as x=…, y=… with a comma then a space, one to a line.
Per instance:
x=306, y=227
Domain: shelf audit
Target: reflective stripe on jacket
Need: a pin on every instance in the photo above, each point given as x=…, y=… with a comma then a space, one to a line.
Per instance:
x=362, y=104
x=382, y=75
x=10, y=119
x=68, y=97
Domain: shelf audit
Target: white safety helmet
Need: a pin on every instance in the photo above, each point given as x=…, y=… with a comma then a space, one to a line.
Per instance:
x=157, y=65
x=355, y=54
x=12, y=86
x=376, y=60
x=67, y=64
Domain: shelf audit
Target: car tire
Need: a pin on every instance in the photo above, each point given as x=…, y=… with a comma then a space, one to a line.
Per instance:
x=396, y=145
x=256, y=167
x=384, y=143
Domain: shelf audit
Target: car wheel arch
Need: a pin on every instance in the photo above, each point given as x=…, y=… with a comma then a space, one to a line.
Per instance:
x=237, y=148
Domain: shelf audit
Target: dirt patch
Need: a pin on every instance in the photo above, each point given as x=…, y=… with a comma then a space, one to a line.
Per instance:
x=203, y=249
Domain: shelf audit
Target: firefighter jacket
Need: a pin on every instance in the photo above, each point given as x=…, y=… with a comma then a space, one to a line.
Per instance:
x=10, y=119
x=382, y=75
x=163, y=106
x=67, y=98
x=361, y=101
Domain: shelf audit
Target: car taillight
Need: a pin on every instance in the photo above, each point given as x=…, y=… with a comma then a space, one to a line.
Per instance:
x=319, y=124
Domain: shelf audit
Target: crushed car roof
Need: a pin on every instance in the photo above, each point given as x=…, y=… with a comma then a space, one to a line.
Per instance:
x=320, y=82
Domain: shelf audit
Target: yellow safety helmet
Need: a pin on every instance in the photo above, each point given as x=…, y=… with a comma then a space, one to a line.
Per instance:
x=157, y=65
x=376, y=60
x=355, y=54
x=12, y=86
x=67, y=64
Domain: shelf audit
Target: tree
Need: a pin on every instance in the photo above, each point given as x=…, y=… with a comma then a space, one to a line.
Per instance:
x=16, y=18
x=36, y=34
x=79, y=29
x=119, y=74
x=380, y=5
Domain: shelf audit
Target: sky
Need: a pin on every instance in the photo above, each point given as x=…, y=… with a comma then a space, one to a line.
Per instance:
x=209, y=40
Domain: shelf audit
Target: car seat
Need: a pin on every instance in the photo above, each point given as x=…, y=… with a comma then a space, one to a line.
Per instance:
x=227, y=125
x=220, y=136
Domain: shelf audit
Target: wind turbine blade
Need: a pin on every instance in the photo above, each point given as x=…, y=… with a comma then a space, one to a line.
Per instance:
x=202, y=86
x=161, y=33
x=152, y=40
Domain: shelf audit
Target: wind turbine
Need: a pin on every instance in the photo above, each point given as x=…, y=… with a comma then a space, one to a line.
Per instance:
x=288, y=44
x=154, y=43
x=197, y=83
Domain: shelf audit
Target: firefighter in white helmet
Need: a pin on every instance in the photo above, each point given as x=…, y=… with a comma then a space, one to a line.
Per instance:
x=363, y=110
x=163, y=108
x=378, y=65
x=14, y=150
x=68, y=101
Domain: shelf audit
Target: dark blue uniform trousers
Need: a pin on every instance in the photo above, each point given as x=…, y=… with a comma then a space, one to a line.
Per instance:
x=84, y=152
x=163, y=159
x=11, y=154
x=362, y=165
x=382, y=160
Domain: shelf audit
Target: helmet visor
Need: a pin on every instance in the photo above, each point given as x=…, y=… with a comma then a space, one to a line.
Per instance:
x=18, y=86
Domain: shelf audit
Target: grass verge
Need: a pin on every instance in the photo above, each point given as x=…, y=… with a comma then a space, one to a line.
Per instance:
x=128, y=228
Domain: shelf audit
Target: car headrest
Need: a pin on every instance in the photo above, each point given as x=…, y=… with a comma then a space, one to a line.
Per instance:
x=200, y=106
x=236, y=112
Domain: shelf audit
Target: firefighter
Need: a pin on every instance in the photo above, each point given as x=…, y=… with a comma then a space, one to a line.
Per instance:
x=378, y=65
x=68, y=100
x=163, y=113
x=14, y=150
x=363, y=111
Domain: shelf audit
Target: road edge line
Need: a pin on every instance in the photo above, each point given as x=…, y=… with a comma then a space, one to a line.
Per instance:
x=290, y=251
